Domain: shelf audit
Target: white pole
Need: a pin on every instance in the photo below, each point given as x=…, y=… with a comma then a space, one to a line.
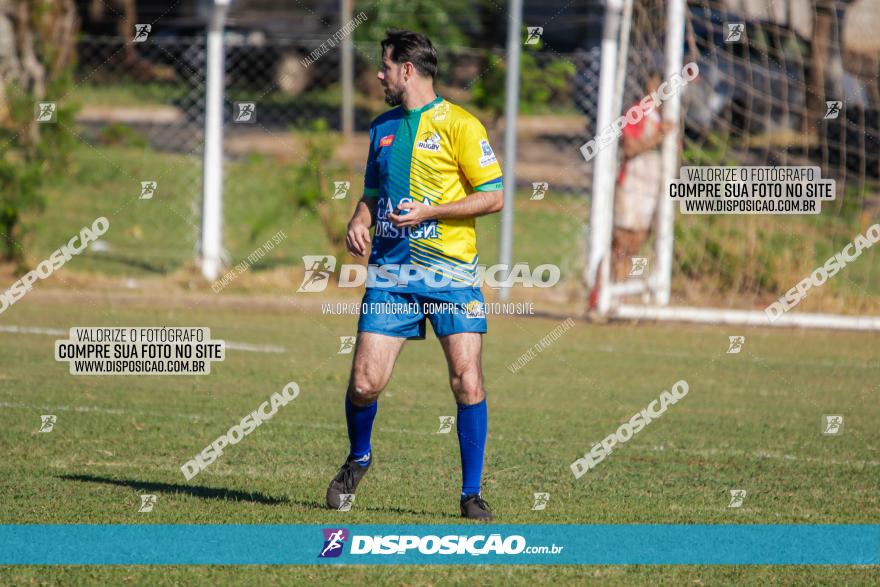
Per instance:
x=622, y=54
x=675, y=17
x=747, y=317
x=605, y=161
x=347, y=73
x=212, y=179
x=511, y=112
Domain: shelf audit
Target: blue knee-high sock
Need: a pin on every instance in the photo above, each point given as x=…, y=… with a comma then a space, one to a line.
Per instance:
x=360, y=427
x=473, y=425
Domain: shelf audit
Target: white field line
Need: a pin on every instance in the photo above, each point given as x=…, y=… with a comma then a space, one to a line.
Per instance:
x=741, y=357
x=254, y=348
x=236, y=346
x=707, y=453
x=762, y=454
x=95, y=409
x=193, y=417
x=34, y=330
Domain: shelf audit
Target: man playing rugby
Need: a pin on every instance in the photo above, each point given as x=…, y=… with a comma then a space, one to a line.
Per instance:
x=430, y=172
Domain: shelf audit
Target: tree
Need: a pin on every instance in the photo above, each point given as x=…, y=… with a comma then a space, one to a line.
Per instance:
x=37, y=47
x=541, y=83
x=449, y=23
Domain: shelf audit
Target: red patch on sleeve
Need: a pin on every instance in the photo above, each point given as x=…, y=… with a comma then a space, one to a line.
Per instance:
x=385, y=141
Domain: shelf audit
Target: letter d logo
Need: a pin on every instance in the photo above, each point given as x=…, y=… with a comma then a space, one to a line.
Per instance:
x=318, y=269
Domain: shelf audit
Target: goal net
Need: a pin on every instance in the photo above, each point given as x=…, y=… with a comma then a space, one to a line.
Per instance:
x=781, y=84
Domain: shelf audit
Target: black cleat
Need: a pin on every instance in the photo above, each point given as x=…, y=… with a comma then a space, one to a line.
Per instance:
x=474, y=507
x=345, y=482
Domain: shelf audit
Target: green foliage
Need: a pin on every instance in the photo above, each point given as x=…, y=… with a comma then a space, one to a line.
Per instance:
x=740, y=255
x=539, y=86
x=28, y=156
x=31, y=152
x=19, y=193
x=120, y=134
x=449, y=23
x=849, y=205
x=714, y=150
x=311, y=189
x=759, y=255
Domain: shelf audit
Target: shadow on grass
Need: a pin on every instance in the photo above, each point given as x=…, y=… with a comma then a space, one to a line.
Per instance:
x=228, y=494
x=131, y=262
x=194, y=490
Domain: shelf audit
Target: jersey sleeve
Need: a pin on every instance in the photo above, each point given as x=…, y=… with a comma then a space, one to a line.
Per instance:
x=476, y=159
x=371, y=170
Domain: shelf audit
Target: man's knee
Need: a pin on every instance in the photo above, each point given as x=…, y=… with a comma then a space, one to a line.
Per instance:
x=364, y=390
x=467, y=387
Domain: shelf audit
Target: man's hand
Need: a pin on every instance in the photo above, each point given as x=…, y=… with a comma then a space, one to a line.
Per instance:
x=357, y=238
x=416, y=214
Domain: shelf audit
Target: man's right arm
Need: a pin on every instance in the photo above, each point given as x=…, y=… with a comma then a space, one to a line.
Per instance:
x=358, y=235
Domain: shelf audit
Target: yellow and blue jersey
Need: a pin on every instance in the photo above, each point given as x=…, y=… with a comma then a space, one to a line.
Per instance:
x=434, y=155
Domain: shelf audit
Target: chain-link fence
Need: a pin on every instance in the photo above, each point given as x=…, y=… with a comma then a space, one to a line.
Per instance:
x=159, y=92
x=141, y=110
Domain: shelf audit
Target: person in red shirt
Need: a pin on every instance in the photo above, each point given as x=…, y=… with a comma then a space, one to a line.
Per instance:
x=639, y=185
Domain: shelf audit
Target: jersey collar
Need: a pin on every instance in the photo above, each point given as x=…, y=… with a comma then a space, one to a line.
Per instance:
x=419, y=111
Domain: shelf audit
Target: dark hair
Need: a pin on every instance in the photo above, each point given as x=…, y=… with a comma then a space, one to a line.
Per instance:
x=413, y=47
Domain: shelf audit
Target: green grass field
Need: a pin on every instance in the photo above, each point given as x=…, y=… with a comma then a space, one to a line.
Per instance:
x=751, y=421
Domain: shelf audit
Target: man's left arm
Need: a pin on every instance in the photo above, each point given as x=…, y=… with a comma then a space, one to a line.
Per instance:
x=476, y=204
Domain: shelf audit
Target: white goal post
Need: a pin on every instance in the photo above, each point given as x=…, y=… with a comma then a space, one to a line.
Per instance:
x=613, y=69
x=737, y=131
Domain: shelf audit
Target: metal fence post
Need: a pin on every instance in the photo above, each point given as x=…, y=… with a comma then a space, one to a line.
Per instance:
x=511, y=111
x=212, y=197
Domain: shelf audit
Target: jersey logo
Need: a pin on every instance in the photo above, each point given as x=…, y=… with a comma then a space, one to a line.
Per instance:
x=430, y=142
x=488, y=155
x=474, y=309
x=385, y=141
x=440, y=112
